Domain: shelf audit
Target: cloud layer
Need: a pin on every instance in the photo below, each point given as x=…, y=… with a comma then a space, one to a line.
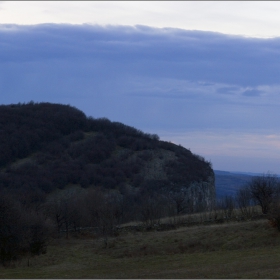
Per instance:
x=248, y=18
x=158, y=80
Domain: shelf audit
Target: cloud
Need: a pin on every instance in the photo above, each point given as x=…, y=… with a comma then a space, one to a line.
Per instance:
x=188, y=51
x=228, y=90
x=144, y=53
x=252, y=92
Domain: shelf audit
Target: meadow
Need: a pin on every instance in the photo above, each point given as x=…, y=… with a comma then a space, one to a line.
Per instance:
x=244, y=249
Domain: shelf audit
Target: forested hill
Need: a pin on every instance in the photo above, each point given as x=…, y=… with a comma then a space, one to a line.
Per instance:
x=51, y=146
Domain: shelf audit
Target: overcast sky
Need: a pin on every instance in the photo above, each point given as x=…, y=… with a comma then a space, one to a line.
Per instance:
x=201, y=74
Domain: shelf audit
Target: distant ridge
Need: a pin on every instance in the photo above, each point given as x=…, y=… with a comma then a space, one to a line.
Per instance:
x=227, y=183
x=253, y=174
x=221, y=172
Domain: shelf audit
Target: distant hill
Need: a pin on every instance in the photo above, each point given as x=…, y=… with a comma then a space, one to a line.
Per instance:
x=48, y=146
x=227, y=183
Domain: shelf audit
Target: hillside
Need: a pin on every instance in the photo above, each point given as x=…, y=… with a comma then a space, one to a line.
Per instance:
x=50, y=146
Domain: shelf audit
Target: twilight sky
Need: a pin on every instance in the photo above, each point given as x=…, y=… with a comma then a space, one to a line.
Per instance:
x=201, y=74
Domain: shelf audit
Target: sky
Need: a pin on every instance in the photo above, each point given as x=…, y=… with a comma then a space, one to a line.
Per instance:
x=204, y=75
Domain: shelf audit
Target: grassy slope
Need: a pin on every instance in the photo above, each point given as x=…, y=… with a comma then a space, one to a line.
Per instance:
x=233, y=250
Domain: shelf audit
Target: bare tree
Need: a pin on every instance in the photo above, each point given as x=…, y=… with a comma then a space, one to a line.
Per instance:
x=105, y=211
x=22, y=231
x=182, y=202
x=264, y=189
x=54, y=211
x=37, y=232
x=152, y=209
x=244, y=201
x=10, y=227
x=274, y=214
x=227, y=204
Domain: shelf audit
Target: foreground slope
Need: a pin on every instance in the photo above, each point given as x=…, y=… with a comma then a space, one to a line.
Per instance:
x=231, y=250
x=46, y=147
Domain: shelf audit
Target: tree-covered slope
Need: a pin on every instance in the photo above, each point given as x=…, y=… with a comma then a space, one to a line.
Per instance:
x=48, y=146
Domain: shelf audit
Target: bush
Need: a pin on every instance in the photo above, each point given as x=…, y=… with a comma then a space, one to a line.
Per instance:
x=21, y=231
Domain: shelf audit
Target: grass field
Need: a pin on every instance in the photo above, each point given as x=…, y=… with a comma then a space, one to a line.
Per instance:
x=230, y=250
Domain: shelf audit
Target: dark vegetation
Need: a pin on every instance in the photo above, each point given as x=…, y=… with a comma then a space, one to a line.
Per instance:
x=62, y=172
x=262, y=191
x=62, y=146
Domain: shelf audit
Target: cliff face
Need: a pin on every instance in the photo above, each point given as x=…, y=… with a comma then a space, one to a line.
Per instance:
x=203, y=194
x=50, y=146
x=199, y=195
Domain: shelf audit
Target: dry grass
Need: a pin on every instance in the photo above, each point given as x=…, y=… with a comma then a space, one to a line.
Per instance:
x=233, y=250
x=203, y=217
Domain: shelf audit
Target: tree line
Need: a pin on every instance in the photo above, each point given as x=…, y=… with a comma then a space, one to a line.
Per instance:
x=29, y=219
x=263, y=191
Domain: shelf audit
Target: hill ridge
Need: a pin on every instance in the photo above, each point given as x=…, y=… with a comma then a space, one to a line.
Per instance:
x=48, y=146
